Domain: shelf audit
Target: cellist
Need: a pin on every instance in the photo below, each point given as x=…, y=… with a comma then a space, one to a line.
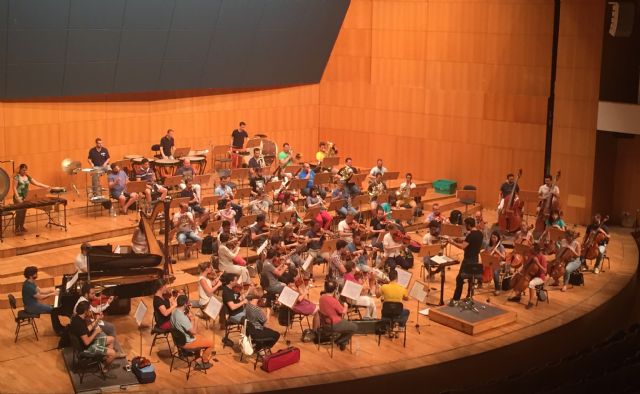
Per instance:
x=601, y=228
x=533, y=256
x=506, y=189
x=570, y=251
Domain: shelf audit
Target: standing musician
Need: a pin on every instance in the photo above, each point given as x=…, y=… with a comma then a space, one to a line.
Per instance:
x=601, y=228
x=378, y=169
x=183, y=321
x=145, y=174
x=99, y=160
x=167, y=145
x=506, y=189
x=188, y=172
x=534, y=256
x=376, y=188
x=256, y=161
x=345, y=174
x=21, y=182
x=569, y=251
x=471, y=247
x=546, y=191
x=404, y=192
x=225, y=192
x=194, y=203
x=238, y=136
x=118, y=188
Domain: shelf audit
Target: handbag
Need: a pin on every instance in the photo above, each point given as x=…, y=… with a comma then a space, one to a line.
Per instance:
x=245, y=341
x=281, y=359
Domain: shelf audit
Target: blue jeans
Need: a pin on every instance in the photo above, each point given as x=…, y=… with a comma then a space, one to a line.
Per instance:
x=496, y=279
x=352, y=189
x=601, y=250
x=344, y=210
x=571, y=267
x=183, y=236
x=237, y=318
x=43, y=309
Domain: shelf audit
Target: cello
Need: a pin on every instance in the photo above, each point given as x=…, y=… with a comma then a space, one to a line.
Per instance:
x=510, y=216
x=556, y=267
x=522, y=278
x=546, y=206
x=591, y=243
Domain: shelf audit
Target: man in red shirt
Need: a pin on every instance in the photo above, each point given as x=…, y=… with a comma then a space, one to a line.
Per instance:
x=331, y=310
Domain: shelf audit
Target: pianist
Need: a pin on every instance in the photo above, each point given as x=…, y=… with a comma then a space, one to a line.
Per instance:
x=32, y=295
x=97, y=308
x=81, y=258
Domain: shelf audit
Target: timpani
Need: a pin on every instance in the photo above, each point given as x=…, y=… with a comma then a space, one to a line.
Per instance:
x=165, y=167
x=198, y=163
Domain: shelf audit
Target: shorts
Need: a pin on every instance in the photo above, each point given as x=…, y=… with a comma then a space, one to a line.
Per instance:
x=99, y=345
x=535, y=282
x=117, y=195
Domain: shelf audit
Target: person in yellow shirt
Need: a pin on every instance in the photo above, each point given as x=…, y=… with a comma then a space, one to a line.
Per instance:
x=393, y=292
x=321, y=153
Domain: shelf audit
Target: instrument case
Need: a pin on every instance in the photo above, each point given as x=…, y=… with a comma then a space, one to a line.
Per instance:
x=281, y=359
x=145, y=375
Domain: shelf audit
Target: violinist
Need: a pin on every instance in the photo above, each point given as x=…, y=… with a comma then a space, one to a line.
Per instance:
x=230, y=261
x=259, y=320
x=432, y=237
x=315, y=201
x=379, y=222
x=346, y=228
x=547, y=190
x=315, y=238
x=302, y=305
x=208, y=284
x=259, y=231
x=495, y=248
x=94, y=341
x=356, y=248
x=183, y=322
x=228, y=214
x=505, y=190
x=376, y=188
x=364, y=299
x=569, y=251
x=471, y=247
x=534, y=256
x=97, y=313
x=164, y=303
x=601, y=237
x=336, y=262
x=436, y=214
x=231, y=297
x=392, y=247
x=225, y=192
x=273, y=269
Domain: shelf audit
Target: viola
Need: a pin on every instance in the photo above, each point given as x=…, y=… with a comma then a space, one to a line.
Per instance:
x=510, y=216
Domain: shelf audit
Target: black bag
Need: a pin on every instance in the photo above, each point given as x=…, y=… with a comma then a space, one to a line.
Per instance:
x=542, y=295
x=309, y=335
x=455, y=217
x=506, y=283
x=284, y=316
x=576, y=278
x=207, y=245
x=367, y=326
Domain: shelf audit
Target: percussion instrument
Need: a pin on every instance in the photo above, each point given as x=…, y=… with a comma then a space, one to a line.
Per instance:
x=199, y=152
x=268, y=149
x=57, y=190
x=199, y=163
x=92, y=170
x=165, y=167
x=5, y=184
x=131, y=157
x=40, y=203
x=70, y=167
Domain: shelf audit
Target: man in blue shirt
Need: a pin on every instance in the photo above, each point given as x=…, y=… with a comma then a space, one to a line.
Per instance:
x=307, y=173
x=32, y=294
x=99, y=160
x=118, y=188
x=183, y=323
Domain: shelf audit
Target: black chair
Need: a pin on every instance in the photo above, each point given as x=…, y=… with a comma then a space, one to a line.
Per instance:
x=159, y=333
x=155, y=148
x=468, y=201
x=189, y=356
x=22, y=318
x=229, y=326
x=261, y=347
x=326, y=335
x=269, y=297
x=391, y=315
x=84, y=362
x=294, y=317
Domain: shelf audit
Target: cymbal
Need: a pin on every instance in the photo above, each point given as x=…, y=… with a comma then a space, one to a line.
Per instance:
x=5, y=184
x=70, y=166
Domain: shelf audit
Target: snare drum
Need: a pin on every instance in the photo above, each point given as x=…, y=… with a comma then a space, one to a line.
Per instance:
x=198, y=163
x=165, y=167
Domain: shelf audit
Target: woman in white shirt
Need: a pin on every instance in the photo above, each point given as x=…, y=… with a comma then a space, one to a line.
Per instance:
x=206, y=287
x=226, y=258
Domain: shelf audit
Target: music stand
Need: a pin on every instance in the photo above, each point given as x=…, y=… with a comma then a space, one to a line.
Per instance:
x=271, y=186
x=360, y=200
x=181, y=152
x=323, y=178
x=417, y=293
x=285, y=217
x=334, y=205
x=531, y=200
x=312, y=213
x=292, y=169
x=329, y=246
x=172, y=181
x=383, y=197
x=329, y=162
x=298, y=184
x=357, y=179
x=202, y=180
x=490, y=261
x=210, y=200
x=247, y=220
x=390, y=175
x=429, y=251
x=451, y=230
x=240, y=174
x=556, y=234
x=471, y=271
x=242, y=193
x=522, y=249
x=177, y=201
x=402, y=214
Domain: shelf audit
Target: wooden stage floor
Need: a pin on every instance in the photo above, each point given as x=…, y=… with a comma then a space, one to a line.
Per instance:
x=29, y=366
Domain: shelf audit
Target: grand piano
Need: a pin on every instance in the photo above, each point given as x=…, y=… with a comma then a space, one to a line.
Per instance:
x=123, y=275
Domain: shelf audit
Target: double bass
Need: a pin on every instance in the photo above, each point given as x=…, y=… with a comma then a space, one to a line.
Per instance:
x=595, y=238
x=510, y=216
x=547, y=206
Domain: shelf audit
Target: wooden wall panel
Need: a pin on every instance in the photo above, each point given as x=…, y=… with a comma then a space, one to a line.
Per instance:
x=459, y=90
x=626, y=195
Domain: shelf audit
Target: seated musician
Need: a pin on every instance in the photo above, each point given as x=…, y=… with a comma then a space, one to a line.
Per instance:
x=194, y=204
x=259, y=320
x=332, y=310
x=495, y=247
x=273, y=269
x=547, y=190
x=81, y=258
x=336, y=262
x=315, y=238
x=436, y=214
x=302, y=305
x=88, y=294
x=94, y=341
x=376, y=188
x=432, y=237
x=471, y=245
x=482, y=226
x=346, y=228
x=32, y=295
x=167, y=145
x=378, y=169
x=288, y=203
x=257, y=182
x=404, y=193
x=393, y=292
x=285, y=158
x=118, y=188
x=185, y=225
x=505, y=190
x=164, y=303
x=206, y=286
x=256, y=161
x=356, y=247
x=230, y=260
x=571, y=255
x=228, y=214
x=21, y=182
x=99, y=160
x=139, y=242
x=392, y=248
x=364, y=299
x=153, y=190
x=232, y=299
x=340, y=193
x=260, y=204
x=238, y=136
x=308, y=174
x=315, y=201
x=345, y=174
x=555, y=220
x=183, y=321
x=225, y=192
x=186, y=171
x=600, y=227
x=259, y=231
x=533, y=255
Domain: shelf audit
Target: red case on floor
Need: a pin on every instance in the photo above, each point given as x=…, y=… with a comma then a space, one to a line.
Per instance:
x=281, y=359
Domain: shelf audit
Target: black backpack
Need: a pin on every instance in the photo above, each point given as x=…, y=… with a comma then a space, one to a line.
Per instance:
x=207, y=245
x=284, y=316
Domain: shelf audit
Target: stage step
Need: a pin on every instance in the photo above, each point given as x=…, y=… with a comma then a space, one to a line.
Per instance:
x=13, y=284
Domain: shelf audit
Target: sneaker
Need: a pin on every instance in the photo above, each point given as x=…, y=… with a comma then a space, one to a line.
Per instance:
x=514, y=299
x=529, y=305
x=453, y=303
x=596, y=270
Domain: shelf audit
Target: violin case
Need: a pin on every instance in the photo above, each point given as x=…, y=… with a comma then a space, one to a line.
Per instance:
x=281, y=359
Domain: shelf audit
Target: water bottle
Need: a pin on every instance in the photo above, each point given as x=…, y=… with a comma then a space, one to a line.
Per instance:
x=113, y=212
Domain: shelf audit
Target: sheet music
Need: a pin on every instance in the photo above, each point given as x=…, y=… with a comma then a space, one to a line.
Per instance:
x=404, y=277
x=262, y=247
x=140, y=312
x=288, y=296
x=55, y=301
x=72, y=281
x=307, y=262
x=417, y=292
x=441, y=259
x=117, y=249
x=424, y=312
x=213, y=308
x=351, y=290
